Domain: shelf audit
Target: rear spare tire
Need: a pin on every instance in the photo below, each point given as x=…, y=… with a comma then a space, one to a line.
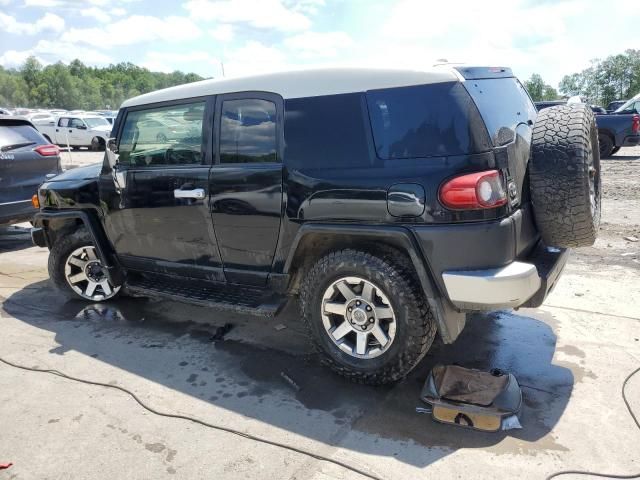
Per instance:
x=564, y=174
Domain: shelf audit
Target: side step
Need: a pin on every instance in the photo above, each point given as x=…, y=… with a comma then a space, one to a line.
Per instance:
x=232, y=298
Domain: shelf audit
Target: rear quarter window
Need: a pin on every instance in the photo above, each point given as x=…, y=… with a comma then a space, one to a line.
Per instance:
x=425, y=121
x=503, y=103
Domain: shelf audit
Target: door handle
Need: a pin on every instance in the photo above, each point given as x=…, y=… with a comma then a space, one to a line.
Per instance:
x=197, y=193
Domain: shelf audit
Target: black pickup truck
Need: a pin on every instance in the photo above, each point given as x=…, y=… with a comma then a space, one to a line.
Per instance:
x=391, y=203
x=620, y=128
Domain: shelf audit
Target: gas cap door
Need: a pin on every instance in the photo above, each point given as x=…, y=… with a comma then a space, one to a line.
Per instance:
x=406, y=200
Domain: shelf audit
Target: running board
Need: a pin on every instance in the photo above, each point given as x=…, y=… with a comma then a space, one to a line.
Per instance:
x=232, y=298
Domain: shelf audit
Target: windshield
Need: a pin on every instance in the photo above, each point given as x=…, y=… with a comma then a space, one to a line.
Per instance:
x=93, y=122
x=628, y=104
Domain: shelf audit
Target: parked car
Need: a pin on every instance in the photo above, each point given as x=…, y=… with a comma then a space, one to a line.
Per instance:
x=5, y=111
x=26, y=161
x=391, y=203
x=549, y=103
x=41, y=118
x=620, y=128
x=598, y=110
x=613, y=106
x=78, y=131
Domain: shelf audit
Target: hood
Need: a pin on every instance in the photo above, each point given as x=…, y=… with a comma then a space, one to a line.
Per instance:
x=88, y=172
x=102, y=128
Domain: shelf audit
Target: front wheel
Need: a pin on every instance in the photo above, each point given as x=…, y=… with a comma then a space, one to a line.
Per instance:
x=77, y=272
x=367, y=316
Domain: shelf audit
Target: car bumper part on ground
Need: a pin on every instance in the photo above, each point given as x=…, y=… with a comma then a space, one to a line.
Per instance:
x=631, y=141
x=520, y=283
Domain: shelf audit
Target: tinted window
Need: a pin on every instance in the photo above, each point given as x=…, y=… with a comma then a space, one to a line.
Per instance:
x=424, y=121
x=20, y=134
x=248, y=131
x=163, y=136
x=503, y=103
x=327, y=131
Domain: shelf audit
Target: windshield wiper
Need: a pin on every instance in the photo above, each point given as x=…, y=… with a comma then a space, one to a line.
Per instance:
x=6, y=148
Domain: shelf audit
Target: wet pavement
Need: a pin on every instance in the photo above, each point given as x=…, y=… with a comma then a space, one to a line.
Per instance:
x=266, y=381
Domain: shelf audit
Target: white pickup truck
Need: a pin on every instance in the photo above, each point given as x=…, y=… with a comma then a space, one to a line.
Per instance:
x=77, y=131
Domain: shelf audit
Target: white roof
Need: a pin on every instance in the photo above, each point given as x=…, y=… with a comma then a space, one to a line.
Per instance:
x=303, y=83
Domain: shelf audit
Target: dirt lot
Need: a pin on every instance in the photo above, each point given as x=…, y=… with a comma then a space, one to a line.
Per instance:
x=571, y=355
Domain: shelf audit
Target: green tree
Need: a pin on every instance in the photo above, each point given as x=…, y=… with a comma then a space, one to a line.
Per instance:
x=538, y=90
x=78, y=86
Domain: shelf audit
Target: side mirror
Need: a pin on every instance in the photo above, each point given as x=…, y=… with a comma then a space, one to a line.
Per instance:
x=81, y=127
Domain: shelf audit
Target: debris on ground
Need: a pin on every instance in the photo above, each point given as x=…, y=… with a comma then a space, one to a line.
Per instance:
x=280, y=326
x=631, y=238
x=221, y=332
x=4, y=466
x=290, y=381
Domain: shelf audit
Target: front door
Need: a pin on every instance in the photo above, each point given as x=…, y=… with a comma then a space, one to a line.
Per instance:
x=246, y=184
x=160, y=221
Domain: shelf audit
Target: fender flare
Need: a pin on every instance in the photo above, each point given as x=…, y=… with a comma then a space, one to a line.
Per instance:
x=450, y=321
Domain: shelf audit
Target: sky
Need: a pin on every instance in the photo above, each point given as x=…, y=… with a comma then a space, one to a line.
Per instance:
x=243, y=37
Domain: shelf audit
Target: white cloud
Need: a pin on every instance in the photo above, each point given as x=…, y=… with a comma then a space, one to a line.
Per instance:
x=49, y=21
x=266, y=14
x=42, y=3
x=118, y=11
x=47, y=52
x=94, y=12
x=254, y=57
x=171, y=61
x=222, y=33
x=308, y=7
x=135, y=29
x=318, y=44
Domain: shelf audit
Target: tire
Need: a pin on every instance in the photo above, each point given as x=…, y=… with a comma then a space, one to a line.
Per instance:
x=615, y=150
x=564, y=175
x=97, y=144
x=395, y=283
x=62, y=249
x=161, y=138
x=606, y=146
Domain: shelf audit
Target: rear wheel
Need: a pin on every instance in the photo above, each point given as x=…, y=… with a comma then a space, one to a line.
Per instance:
x=76, y=270
x=606, y=146
x=564, y=174
x=367, y=316
x=615, y=150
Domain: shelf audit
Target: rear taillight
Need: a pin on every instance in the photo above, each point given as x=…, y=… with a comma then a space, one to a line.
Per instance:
x=474, y=191
x=635, y=125
x=47, y=150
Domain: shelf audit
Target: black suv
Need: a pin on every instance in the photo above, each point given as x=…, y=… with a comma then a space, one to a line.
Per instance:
x=390, y=202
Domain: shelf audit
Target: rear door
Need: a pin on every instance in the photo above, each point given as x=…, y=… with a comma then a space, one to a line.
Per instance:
x=246, y=184
x=509, y=115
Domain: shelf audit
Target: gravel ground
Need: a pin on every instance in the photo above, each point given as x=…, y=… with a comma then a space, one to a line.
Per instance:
x=571, y=356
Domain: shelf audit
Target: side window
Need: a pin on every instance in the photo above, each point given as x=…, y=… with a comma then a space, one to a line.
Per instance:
x=63, y=122
x=248, y=131
x=163, y=136
x=75, y=123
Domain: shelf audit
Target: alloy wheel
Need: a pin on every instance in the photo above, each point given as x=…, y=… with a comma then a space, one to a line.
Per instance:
x=86, y=275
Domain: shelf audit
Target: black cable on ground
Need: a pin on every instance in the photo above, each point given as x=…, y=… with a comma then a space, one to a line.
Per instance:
x=200, y=422
x=607, y=475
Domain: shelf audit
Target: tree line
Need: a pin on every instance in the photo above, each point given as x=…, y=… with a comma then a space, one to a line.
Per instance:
x=78, y=86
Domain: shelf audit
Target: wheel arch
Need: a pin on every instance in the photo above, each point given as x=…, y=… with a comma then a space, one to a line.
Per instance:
x=58, y=223
x=314, y=241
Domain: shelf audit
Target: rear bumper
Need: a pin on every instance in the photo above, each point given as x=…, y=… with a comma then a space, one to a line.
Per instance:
x=631, y=141
x=520, y=283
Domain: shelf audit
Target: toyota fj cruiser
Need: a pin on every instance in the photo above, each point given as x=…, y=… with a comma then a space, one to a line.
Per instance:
x=392, y=203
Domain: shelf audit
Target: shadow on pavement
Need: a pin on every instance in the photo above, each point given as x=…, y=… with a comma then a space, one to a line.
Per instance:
x=245, y=372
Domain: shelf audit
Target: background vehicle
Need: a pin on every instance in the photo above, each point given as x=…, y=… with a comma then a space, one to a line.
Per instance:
x=613, y=106
x=598, y=110
x=620, y=128
x=391, y=202
x=4, y=111
x=26, y=161
x=78, y=131
x=549, y=103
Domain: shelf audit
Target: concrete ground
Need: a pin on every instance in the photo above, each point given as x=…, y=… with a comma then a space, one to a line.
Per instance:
x=571, y=357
